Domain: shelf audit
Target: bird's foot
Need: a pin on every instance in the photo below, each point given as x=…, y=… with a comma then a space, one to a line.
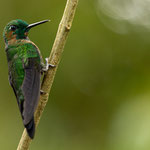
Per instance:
x=42, y=92
x=47, y=66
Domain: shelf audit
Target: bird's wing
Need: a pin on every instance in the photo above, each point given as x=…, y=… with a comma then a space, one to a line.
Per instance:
x=31, y=84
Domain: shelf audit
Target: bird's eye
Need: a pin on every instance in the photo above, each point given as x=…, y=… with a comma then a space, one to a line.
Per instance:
x=12, y=28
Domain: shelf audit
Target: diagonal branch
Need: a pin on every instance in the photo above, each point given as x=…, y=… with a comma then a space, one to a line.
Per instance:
x=54, y=58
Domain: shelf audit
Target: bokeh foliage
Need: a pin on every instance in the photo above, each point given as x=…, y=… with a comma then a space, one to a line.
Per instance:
x=100, y=97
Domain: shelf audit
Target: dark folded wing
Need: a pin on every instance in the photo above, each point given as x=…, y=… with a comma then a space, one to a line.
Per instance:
x=31, y=89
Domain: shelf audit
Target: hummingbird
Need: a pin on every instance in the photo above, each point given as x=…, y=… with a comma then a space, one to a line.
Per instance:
x=25, y=66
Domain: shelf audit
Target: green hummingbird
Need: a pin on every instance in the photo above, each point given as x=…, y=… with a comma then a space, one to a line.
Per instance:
x=25, y=65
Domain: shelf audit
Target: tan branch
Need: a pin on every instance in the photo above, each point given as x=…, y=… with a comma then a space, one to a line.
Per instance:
x=54, y=58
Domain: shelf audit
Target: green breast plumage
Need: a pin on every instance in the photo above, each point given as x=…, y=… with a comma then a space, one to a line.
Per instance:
x=18, y=56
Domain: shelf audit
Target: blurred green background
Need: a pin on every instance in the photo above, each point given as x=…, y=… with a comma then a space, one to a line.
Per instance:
x=100, y=99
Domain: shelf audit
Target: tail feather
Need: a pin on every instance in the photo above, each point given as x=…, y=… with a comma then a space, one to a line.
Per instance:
x=30, y=127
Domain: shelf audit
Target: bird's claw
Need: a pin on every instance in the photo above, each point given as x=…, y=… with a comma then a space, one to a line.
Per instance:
x=42, y=92
x=47, y=66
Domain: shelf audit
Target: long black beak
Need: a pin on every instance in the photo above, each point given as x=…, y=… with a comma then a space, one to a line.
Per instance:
x=37, y=23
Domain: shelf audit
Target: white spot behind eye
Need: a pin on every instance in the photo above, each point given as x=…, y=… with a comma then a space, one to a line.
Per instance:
x=12, y=27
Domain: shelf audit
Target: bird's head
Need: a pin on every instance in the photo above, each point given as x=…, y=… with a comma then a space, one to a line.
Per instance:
x=18, y=29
